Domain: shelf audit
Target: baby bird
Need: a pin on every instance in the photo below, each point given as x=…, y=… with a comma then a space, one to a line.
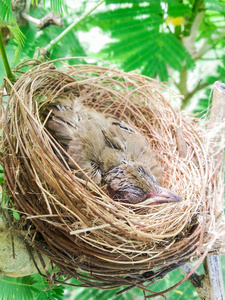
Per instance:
x=109, y=151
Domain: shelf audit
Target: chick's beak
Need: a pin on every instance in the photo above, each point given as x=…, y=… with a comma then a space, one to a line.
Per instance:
x=163, y=195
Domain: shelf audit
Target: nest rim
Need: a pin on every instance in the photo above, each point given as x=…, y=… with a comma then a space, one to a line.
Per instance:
x=141, y=247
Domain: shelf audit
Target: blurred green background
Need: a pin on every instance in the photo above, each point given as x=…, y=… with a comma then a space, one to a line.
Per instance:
x=180, y=42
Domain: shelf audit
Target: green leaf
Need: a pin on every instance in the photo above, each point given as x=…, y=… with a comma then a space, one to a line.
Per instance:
x=179, y=10
x=16, y=215
x=1, y=167
x=185, y=291
x=19, y=38
x=46, y=291
x=174, y=46
x=69, y=47
x=141, y=56
x=132, y=43
x=1, y=174
x=151, y=68
x=135, y=27
x=59, y=7
x=151, y=52
x=17, y=288
x=6, y=13
x=142, y=43
x=7, y=16
x=128, y=1
x=129, y=13
x=162, y=71
x=218, y=5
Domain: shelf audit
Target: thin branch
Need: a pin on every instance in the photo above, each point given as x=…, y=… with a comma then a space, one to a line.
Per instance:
x=198, y=88
x=217, y=114
x=198, y=4
x=213, y=280
x=189, y=41
x=48, y=19
x=5, y=60
x=182, y=86
x=206, y=47
x=195, y=279
x=212, y=265
x=54, y=42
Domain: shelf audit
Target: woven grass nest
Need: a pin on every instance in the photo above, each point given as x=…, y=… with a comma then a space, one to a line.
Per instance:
x=102, y=242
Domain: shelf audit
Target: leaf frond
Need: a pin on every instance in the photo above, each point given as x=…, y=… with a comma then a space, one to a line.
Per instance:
x=17, y=288
x=180, y=9
x=6, y=13
x=124, y=28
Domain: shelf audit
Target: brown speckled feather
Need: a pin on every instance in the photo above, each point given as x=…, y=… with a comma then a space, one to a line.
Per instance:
x=108, y=150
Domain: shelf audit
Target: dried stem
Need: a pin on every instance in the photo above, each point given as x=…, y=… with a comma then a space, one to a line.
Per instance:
x=213, y=281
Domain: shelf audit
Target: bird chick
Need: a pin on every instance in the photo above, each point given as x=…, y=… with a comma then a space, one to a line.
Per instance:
x=108, y=150
x=133, y=184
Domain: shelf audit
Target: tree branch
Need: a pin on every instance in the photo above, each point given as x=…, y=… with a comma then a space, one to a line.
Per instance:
x=198, y=4
x=195, y=279
x=212, y=265
x=5, y=60
x=213, y=279
x=189, y=95
x=54, y=42
x=47, y=20
x=217, y=114
x=210, y=285
x=189, y=41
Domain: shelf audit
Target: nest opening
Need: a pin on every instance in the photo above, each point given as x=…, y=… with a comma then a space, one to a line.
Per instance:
x=83, y=229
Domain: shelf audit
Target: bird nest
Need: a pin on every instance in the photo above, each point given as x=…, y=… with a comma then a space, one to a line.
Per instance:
x=89, y=236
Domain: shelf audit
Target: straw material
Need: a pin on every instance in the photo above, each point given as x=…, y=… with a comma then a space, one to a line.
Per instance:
x=102, y=242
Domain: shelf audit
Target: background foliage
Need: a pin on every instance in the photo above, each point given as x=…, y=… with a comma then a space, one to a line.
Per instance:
x=180, y=42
